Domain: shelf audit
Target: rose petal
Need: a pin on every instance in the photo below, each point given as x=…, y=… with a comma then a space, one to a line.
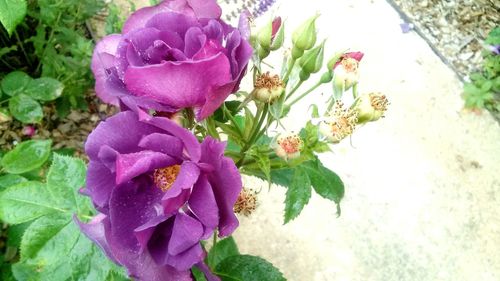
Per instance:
x=129, y=166
x=96, y=230
x=178, y=194
x=163, y=143
x=203, y=204
x=186, y=259
x=186, y=233
x=102, y=60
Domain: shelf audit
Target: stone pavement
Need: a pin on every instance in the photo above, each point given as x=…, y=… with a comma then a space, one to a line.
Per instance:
x=422, y=185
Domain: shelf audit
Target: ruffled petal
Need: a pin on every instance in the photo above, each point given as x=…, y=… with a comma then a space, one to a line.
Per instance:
x=186, y=233
x=129, y=166
x=163, y=143
x=225, y=181
x=203, y=204
x=173, y=22
x=205, y=8
x=139, y=18
x=103, y=60
x=178, y=194
x=100, y=183
x=96, y=230
x=180, y=85
x=186, y=259
x=112, y=131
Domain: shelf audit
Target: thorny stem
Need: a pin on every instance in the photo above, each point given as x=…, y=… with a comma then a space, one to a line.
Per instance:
x=305, y=93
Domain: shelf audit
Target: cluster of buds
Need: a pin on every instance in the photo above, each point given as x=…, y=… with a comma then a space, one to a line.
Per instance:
x=288, y=146
x=246, y=202
x=269, y=38
x=268, y=88
x=370, y=107
x=339, y=123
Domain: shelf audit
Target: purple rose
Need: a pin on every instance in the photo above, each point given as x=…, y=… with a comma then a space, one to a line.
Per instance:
x=178, y=54
x=159, y=192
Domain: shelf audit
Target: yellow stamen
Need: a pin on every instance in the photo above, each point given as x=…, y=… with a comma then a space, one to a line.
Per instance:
x=164, y=178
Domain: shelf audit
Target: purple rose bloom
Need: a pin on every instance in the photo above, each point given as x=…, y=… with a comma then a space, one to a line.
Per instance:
x=178, y=54
x=159, y=192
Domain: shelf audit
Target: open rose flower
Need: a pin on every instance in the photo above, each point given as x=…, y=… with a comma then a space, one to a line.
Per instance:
x=158, y=192
x=175, y=55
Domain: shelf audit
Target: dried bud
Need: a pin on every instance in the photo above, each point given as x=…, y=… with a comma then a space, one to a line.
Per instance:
x=339, y=124
x=312, y=60
x=345, y=71
x=268, y=88
x=288, y=146
x=246, y=202
x=370, y=107
x=304, y=37
x=29, y=131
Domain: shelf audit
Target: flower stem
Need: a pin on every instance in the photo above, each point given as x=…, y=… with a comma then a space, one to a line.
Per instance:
x=294, y=90
x=305, y=93
x=254, y=134
x=22, y=47
x=289, y=70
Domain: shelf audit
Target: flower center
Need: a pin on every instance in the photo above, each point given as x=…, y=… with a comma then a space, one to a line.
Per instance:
x=290, y=144
x=164, y=178
x=268, y=82
x=343, y=121
x=379, y=102
x=246, y=202
x=350, y=64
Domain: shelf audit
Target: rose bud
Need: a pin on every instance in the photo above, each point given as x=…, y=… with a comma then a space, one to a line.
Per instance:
x=29, y=131
x=339, y=124
x=370, y=107
x=304, y=37
x=312, y=60
x=288, y=146
x=345, y=71
x=268, y=88
x=278, y=35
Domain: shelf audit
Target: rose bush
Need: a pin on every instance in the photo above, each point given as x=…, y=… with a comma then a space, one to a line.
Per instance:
x=175, y=55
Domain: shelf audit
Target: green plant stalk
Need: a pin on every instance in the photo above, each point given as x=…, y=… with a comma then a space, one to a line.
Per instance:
x=305, y=93
x=294, y=90
x=22, y=48
x=47, y=43
x=232, y=120
x=211, y=128
x=253, y=135
x=289, y=70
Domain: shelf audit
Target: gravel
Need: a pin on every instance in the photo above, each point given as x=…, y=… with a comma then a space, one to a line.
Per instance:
x=454, y=28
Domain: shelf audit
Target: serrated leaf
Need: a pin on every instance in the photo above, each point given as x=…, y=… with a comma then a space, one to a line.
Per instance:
x=40, y=232
x=324, y=181
x=44, y=89
x=222, y=250
x=247, y=268
x=15, y=82
x=26, y=156
x=10, y=179
x=12, y=13
x=63, y=187
x=297, y=194
x=25, y=109
x=25, y=202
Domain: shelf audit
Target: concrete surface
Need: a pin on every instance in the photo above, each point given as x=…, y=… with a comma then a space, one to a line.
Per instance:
x=422, y=185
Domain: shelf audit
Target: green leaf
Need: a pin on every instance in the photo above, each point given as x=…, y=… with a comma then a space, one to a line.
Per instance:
x=26, y=156
x=25, y=202
x=12, y=13
x=232, y=107
x=39, y=233
x=63, y=187
x=223, y=249
x=325, y=182
x=15, y=82
x=297, y=195
x=25, y=109
x=15, y=233
x=247, y=268
x=9, y=180
x=198, y=274
x=44, y=89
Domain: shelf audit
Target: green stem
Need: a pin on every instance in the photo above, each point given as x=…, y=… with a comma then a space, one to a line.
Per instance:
x=253, y=135
x=330, y=105
x=232, y=120
x=7, y=64
x=289, y=70
x=305, y=94
x=22, y=47
x=47, y=44
x=294, y=90
x=211, y=128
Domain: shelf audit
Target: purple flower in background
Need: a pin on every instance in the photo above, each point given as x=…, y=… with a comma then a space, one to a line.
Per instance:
x=171, y=56
x=158, y=192
x=495, y=49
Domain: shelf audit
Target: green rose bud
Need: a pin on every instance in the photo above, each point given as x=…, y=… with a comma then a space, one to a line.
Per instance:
x=264, y=36
x=312, y=60
x=304, y=37
x=278, y=36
